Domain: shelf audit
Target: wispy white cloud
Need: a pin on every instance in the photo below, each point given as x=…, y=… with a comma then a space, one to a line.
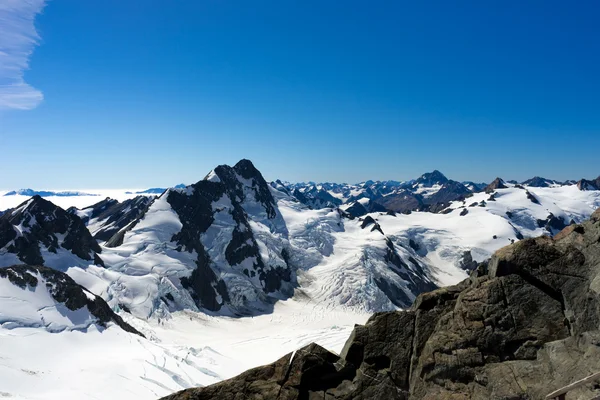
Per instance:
x=18, y=38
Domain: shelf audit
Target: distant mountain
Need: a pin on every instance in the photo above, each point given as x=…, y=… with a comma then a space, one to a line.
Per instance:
x=156, y=190
x=431, y=191
x=45, y=193
x=585, y=184
x=316, y=198
x=497, y=183
x=537, y=181
x=39, y=233
x=431, y=179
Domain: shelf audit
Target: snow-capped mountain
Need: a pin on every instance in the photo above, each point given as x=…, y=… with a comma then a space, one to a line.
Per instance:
x=105, y=218
x=182, y=268
x=430, y=192
x=538, y=181
x=38, y=232
x=219, y=245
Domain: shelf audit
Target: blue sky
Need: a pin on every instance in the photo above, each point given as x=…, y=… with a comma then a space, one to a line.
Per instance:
x=132, y=93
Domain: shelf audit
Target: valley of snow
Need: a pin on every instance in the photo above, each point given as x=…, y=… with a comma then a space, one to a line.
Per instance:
x=337, y=259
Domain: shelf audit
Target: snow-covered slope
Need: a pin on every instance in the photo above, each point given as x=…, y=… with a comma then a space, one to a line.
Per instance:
x=42, y=297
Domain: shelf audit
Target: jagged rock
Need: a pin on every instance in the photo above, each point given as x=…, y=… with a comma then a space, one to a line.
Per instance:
x=519, y=327
x=552, y=223
x=467, y=263
x=368, y=221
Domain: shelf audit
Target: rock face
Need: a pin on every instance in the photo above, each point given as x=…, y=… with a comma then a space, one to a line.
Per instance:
x=105, y=218
x=497, y=183
x=63, y=290
x=520, y=327
x=37, y=232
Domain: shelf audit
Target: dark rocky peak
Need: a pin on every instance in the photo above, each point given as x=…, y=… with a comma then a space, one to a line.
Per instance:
x=585, y=184
x=538, y=181
x=520, y=327
x=431, y=178
x=370, y=222
x=38, y=225
x=66, y=291
x=497, y=183
x=245, y=180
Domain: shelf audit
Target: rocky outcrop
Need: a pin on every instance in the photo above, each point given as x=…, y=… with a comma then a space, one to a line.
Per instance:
x=497, y=183
x=63, y=290
x=358, y=209
x=37, y=229
x=520, y=327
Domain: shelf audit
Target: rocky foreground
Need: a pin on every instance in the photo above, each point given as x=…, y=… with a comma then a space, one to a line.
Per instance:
x=522, y=326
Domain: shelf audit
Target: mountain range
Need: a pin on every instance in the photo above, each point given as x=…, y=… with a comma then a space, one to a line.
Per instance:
x=233, y=245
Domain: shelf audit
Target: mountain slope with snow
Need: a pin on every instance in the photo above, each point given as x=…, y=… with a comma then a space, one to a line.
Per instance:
x=232, y=272
x=38, y=232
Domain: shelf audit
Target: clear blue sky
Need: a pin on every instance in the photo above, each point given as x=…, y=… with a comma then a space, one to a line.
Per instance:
x=156, y=92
